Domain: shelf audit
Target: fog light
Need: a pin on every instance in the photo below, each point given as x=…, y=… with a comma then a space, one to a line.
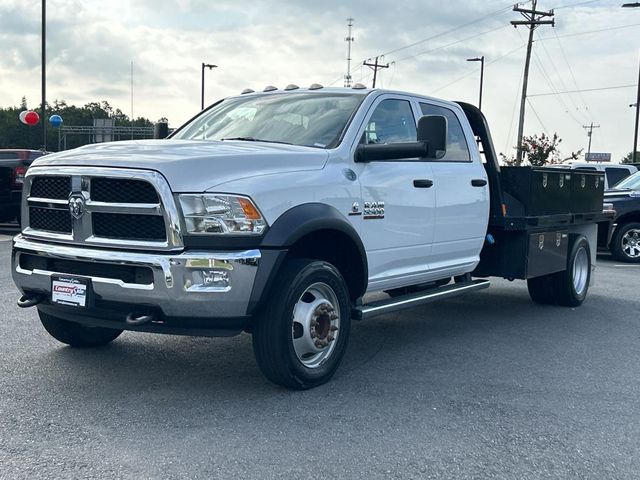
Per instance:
x=209, y=280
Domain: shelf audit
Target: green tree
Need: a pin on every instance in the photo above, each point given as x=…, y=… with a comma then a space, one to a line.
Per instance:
x=628, y=158
x=14, y=134
x=540, y=150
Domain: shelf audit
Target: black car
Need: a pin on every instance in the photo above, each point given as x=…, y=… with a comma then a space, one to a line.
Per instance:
x=13, y=166
x=623, y=237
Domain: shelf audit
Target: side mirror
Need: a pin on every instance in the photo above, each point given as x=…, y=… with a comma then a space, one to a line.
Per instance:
x=432, y=129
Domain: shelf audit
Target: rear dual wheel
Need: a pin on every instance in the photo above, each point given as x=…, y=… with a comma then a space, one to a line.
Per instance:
x=302, y=334
x=569, y=287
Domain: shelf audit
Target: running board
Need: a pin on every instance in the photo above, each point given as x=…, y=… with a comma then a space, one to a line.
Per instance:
x=381, y=307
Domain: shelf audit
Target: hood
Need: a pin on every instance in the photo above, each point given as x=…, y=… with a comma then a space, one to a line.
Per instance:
x=194, y=165
x=622, y=192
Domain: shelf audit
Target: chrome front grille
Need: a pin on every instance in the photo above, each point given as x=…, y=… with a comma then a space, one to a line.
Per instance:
x=108, y=207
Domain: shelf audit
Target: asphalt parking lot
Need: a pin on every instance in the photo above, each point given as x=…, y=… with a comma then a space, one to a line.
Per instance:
x=484, y=386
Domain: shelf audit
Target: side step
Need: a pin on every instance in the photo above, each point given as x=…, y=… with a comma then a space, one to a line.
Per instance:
x=381, y=307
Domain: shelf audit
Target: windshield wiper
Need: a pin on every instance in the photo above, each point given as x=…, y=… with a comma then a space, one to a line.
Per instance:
x=253, y=139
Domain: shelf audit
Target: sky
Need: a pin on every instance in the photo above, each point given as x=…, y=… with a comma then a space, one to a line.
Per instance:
x=91, y=44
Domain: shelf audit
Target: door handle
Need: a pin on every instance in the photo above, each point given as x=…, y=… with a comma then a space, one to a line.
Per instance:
x=478, y=182
x=423, y=183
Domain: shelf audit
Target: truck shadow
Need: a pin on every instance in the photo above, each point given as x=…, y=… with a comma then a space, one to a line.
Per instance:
x=478, y=333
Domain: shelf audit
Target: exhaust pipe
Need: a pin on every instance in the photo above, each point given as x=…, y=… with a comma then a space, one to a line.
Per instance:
x=27, y=301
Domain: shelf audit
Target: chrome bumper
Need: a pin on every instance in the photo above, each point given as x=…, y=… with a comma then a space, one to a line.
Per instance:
x=177, y=288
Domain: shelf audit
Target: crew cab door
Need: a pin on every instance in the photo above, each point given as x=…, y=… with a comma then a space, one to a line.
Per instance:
x=462, y=196
x=397, y=203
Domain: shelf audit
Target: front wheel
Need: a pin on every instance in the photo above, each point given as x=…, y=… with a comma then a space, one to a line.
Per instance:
x=625, y=245
x=77, y=335
x=302, y=334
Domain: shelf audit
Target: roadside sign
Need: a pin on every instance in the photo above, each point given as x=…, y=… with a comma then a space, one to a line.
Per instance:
x=597, y=157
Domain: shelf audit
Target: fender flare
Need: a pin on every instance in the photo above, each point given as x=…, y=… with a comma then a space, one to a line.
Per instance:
x=290, y=227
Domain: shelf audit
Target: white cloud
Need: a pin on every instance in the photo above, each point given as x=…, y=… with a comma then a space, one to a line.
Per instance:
x=91, y=45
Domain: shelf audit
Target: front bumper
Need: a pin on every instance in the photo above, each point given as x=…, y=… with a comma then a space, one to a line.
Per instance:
x=172, y=285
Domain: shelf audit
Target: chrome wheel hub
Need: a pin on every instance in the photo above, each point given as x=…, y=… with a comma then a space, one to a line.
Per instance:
x=316, y=325
x=581, y=271
x=631, y=243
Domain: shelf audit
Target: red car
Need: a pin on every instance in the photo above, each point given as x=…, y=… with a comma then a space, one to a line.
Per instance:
x=13, y=166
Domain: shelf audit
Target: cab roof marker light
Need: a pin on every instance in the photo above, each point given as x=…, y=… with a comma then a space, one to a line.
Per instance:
x=315, y=86
x=270, y=88
x=359, y=86
x=247, y=90
x=291, y=86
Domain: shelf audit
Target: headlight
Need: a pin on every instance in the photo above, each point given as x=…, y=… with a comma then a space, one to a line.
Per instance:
x=221, y=214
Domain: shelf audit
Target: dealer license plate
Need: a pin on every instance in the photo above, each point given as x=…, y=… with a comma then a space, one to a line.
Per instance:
x=71, y=291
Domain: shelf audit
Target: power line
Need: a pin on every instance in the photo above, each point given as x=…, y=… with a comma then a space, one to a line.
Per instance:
x=573, y=77
x=544, y=129
x=472, y=72
x=451, y=43
x=513, y=112
x=547, y=78
x=542, y=39
x=556, y=71
x=634, y=85
x=576, y=4
x=458, y=27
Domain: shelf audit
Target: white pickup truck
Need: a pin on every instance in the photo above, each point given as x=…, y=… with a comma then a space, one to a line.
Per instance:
x=277, y=212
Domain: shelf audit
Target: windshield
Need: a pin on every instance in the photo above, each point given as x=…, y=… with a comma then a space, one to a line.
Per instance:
x=308, y=119
x=632, y=182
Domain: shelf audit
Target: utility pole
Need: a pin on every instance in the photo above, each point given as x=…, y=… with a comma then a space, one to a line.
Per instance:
x=589, y=129
x=349, y=39
x=533, y=20
x=210, y=67
x=43, y=116
x=375, y=67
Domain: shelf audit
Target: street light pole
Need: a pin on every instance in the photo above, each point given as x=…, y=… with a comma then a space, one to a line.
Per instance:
x=481, y=60
x=210, y=67
x=635, y=132
x=44, y=76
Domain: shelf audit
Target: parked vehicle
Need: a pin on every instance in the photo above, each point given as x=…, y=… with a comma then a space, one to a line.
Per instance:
x=13, y=166
x=622, y=237
x=614, y=172
x=275, y=212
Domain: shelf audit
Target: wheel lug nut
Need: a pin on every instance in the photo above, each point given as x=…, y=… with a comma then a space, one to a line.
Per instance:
x=313, y=334
x=333, y=328
x=314, y=323
x=318, y=344
x=334, y=316
x=330, y=338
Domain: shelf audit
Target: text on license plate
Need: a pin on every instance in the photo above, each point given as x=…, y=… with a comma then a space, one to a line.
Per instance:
x=69, y=291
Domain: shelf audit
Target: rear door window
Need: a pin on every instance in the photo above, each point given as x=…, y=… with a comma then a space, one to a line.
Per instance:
x=615, y=175
x=457, y=148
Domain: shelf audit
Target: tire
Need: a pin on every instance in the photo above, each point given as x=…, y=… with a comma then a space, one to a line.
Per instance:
x=625, y=244
x=284, y=335
x=542, y=289
x=77, y=335
x=569, y=287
